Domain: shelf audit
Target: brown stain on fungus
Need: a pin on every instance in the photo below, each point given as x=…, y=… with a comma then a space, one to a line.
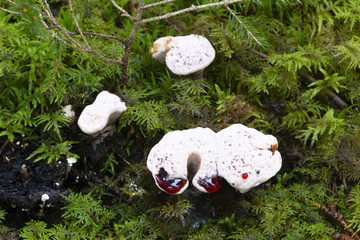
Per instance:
x=167, y=48
x=273, y=148
x=155, y=48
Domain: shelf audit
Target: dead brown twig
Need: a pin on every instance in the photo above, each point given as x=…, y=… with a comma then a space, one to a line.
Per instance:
x=333, y=214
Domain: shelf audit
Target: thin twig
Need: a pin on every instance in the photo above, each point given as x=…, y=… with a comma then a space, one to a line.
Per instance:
x=337, y=217
x=4, y=146
x=332, y=96
x=9, y=1
x=243, y=25
x=56, y=24
x=100, y=35
x=135, y=26
x=6, y=10
x=190, y=9
x=77, y=24
x=158, y=3
x=125, y=13
x=55, y=73
x=79, y=47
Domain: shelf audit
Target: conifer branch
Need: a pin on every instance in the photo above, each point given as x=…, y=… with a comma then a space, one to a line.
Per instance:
x=158, y=3
x=243, y=25
x=47, y=10
x=9, y=11
x=77, y=24
x=331, y=212
x=125, y=13
x=130, y=40
x=100, y=35
x=190, y=9
x=72, y=43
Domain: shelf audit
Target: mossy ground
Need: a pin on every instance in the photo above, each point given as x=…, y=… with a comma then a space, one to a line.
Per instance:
x=287, y=68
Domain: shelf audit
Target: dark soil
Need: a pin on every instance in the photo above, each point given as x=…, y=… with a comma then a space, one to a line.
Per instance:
x=23, y=182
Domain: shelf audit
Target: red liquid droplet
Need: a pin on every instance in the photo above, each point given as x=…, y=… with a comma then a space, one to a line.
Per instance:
x=244, y=176
x=210, y=184
x=171, y=186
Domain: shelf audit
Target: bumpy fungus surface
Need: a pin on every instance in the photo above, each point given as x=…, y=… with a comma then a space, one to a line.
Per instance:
x=248, y=157
x=243, y=156
x=169, y=160
x=184, y=55
x=106, y=108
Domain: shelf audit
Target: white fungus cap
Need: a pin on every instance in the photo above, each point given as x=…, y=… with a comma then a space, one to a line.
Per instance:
x=169, y=159
x=184, y=54
x=247, y=157
x=106, y=108
x=71, y=161
x=160, y=47
x=243, y=156
x=44, y=197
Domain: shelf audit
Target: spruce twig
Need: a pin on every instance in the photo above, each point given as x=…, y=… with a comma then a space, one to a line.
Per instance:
x=130, y=40
x=125, y=13
x=158, y=3
x=100, y=35
x=190, y=9
x=331, y=212
x=243, y=25
x=77, y=24
x=9, y=11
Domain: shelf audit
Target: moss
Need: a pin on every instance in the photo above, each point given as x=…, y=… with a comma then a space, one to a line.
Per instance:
x=288, y=68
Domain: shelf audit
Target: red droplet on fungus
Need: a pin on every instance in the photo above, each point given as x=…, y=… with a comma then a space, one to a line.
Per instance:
x=244, y=176
x=210, y=184
x=171, y=186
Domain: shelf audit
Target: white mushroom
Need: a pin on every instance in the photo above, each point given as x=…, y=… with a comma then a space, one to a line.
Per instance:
x=247, y=157
x=44, y=197
x=70, y=161
x=184, y=54
x=106, y=109
x=160, y=47
x=243, y=156
x=179, y=152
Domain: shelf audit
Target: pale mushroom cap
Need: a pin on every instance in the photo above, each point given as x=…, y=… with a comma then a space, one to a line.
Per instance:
x=248, y=157
x=44, y=197
x=71, y=160
x=159, y=48
x=174, y=150
x=106, y=108
x=189, y=54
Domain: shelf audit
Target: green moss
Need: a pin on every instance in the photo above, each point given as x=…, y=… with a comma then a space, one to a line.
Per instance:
x=287, y=85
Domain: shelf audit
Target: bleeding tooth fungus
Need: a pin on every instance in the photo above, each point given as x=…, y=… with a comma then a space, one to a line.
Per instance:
x=251, y=159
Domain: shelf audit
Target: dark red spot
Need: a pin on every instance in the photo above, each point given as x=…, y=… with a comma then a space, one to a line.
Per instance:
x=171, y=186
x=258, y=172
x=210, y=184
x=244, y=176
